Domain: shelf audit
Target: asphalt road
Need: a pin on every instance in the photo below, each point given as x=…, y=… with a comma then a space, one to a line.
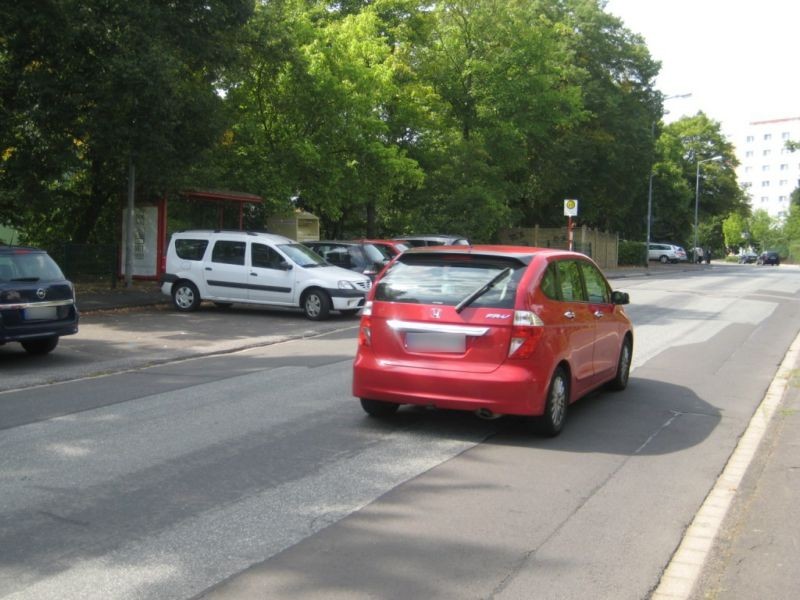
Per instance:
x=255, y=474
x=119, y=340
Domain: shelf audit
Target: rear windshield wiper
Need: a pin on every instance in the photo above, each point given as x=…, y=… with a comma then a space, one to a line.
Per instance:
x=483, y=289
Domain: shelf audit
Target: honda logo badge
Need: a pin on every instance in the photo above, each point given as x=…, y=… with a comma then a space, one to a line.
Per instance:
x=436, y=313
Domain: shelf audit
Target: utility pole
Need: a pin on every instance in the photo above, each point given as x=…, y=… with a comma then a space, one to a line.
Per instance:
x=129, y=224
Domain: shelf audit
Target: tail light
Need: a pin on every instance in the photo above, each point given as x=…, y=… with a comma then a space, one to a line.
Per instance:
x=525, y=334
x=365, y=328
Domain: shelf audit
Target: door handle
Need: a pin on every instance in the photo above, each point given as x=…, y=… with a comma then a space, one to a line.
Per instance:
x=569, y=314
x=253, y=274
x=208, y=269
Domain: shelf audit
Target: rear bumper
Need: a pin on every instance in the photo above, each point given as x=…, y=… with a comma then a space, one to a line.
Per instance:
x=512, y=389
x=24, y=332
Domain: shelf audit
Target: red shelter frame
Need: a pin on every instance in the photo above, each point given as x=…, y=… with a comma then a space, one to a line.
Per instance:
x=224, y=198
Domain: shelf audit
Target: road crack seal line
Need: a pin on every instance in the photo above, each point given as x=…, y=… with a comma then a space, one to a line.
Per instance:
x=61, y=519
x=520, y=564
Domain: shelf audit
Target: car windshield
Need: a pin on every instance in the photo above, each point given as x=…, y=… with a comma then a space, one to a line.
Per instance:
x=29, y=266
x=448, y=280
x=303, y=255
x=376, y=253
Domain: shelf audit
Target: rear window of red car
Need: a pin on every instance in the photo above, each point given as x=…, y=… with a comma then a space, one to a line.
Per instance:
x=447, y=279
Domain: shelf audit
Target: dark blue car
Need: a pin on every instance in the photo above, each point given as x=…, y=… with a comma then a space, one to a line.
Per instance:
x=37, y=303
x=769, y=258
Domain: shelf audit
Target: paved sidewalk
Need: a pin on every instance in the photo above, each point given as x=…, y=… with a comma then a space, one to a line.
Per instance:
x=755, y=554
x=142, y=293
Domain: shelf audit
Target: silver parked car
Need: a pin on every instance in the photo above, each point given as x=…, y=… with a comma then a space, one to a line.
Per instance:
x=666, y=253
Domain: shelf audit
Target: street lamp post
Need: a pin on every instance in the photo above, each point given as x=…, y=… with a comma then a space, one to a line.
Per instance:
x=697, y=201
x=650, y=185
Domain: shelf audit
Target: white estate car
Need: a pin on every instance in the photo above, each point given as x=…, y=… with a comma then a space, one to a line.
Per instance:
x=257, y=268
x=665, y=253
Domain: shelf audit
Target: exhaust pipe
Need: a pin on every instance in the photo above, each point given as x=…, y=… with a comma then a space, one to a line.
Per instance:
x=486, y=414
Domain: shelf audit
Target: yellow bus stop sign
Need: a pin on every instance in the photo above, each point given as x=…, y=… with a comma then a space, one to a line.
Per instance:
x=570, y=208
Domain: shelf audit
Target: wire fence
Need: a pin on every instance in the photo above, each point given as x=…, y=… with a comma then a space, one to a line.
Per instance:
x=88, y=262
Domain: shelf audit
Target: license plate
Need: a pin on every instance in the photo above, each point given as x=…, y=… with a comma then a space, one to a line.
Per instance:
x=41, y=313
x=417, y=341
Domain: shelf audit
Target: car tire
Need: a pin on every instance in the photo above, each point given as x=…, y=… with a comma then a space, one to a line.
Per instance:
x=379, y=409
x=40, y=347
x=555, y=408
x=620, y=381
x=185, y=296
x=663, y=260
x=316, y=304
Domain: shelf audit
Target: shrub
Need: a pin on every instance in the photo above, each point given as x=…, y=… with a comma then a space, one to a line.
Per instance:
x=632, y=254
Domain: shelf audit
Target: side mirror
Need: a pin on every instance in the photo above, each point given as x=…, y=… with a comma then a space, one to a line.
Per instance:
x=284, y=266
x=620, y=298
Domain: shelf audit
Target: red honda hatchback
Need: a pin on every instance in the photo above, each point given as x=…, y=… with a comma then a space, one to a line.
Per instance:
x=499, y=330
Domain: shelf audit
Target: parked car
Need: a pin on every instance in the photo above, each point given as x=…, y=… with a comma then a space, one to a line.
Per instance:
x=363, y=257
x=389, y=247
x=498, y=330
x=37, y=303
x=747, y=258
x=433, y=240
x=666, y=253
x=769, y=257
x=257, y=268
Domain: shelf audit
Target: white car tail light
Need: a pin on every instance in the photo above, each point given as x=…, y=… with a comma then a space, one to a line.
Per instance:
x=365, y=329
x=525, y=333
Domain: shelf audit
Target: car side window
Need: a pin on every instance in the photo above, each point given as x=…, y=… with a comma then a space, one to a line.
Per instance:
x=548, y=284
x=569, y=279
x=228, y=252
x=339, y=256
x=265, y=257
x=189, y=249
x=596, y=286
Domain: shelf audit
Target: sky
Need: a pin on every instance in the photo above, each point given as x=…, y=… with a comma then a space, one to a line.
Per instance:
x=738, y=58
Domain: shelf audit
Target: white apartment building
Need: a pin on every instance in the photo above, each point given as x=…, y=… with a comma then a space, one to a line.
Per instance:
x=769, y=171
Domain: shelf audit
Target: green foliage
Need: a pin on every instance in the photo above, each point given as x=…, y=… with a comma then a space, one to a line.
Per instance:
x=734, y=230
x=710, y=235
x=762, y=232
x=379, y=116
x=89, y=85
x=679, y=187
x=632, y=253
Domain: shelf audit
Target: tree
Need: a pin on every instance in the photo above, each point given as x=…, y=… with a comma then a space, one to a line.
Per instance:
x=500, y=73
x=90, y=85
x=312, y=114
x=605, y=158
x=680, y=147
x=734, y=229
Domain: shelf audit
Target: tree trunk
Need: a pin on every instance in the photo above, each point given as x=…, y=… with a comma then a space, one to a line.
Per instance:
x=92, y=211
